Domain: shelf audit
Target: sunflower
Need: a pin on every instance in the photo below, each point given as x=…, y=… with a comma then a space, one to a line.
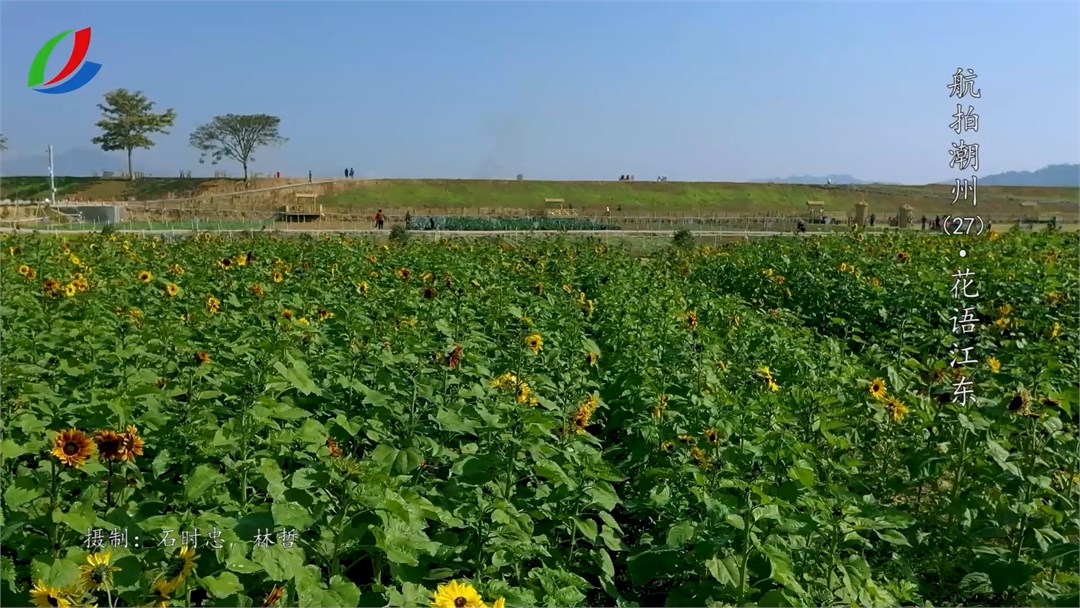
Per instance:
x=903, y=257
x=1053, y=298
x=242, y=259
x=110, y=445
x=875, y=282
x=535, y=342
x=691, y=319
x=273, y=597
x=224, y=263
x=698, y=455
x=74, y=259
x=171, y=289
x=202, y=357
x=51, y=286
x=145, y=276
x=1055, y=330
x=499, y=603
x=180, y=567
x=538, y=289
x=427, y=276
x=877, y=388
x=176, y=269
x=213, y=304
x=325, y=314
x=453, y=359
x=779, y=279
x=456, y=595
x=70, y=290
x=133, y=444
x=667, y=446
x=80, y=282
x=1020, y=404
x=505, y=381
x=362, y=287
x=332, y=445
x=712, y=435
x=772, y=385
x=287, y=313
x=843, y=267
x=46, y=596
x=402, y=273
x=994, y=364
x=277, y=277
x=73, y=447
x=430, y=293
x=591, y=358
x=584, y=412
x=27, y=272
x=1004, y=310
x=896, y=409
x=97, y=573
x=303, y=321
x=257, y=290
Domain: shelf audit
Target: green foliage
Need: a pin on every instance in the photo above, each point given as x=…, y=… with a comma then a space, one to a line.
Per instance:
x=127, y=122
x=236, y=136
x=683, y=239
x=399, y=235
x=108, y=229
x=697, y=477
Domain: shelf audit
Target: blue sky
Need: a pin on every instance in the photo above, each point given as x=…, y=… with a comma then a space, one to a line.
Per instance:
x=716, y=91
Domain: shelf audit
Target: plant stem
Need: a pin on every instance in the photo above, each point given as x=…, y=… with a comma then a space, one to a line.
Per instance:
x=108, y=489
x=52, y=508
x=746, y=547
x=109, y=594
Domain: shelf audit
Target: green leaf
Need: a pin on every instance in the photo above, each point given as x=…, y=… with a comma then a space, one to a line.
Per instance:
x=407, y=461
x=587, y=527
x=223, y=585
x=290, y=515
x=281, y=564
x=725, y=570
x=804, y=475
x=343, y=591
x=735, y=521
x=894, y=537
x=680, y=534
x=298, y=376
x=603, y=495
x=201, y=480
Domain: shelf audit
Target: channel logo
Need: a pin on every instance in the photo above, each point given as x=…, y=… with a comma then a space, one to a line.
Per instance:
x=58, y=84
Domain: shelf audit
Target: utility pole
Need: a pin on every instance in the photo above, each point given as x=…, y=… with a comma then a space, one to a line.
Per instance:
x=52, y=180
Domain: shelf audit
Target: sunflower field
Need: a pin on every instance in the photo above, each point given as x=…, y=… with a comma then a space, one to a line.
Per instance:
x=321, y=421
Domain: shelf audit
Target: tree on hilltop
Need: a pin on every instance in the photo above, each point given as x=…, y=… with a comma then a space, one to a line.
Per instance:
x=127, y=122
x=236, y=136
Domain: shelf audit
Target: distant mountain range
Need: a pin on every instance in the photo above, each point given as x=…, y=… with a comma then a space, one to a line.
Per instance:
x=1062, y=176
x=1059, y=176
x=811, y=180
x=76, y=162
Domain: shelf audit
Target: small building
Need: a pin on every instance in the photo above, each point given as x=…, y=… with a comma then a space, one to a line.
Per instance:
x=305, y=209
x=861, y=213
x=557, y=207
x=815, y=211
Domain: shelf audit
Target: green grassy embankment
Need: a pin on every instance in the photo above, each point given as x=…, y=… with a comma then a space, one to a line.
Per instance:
x=673, y=198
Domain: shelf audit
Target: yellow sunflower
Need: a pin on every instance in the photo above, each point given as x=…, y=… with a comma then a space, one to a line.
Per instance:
x=456, y=595
x=362, y=287
x=877, y=388
x=277, y=277
x=171, y=289
x=46, y=596
x=180, y=567
x=176, y=269
x=133, y=444
x=97, y=572
x=70, y=290
x=213, y=304
x=691, y=319
x=27, y=272
x=145, y=276
x=535, y=342
x=73, y=447
x=896, y=409
x=257, y=290
x=202, y=357
x=994, y=364
x=591, y=358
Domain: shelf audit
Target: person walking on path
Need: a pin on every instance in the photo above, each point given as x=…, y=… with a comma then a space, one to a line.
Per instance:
x=309, y=177
x=379, y=219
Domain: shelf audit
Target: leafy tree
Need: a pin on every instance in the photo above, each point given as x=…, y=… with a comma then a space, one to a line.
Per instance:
x=128, y=120
x=236, y=136
x=3, y=142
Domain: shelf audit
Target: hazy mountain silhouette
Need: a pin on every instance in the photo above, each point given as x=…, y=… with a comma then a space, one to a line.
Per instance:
x=76, y=162
x=812, y=180
x=1063, y=176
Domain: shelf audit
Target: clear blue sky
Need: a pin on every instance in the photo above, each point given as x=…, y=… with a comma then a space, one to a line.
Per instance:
x=719, y=91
